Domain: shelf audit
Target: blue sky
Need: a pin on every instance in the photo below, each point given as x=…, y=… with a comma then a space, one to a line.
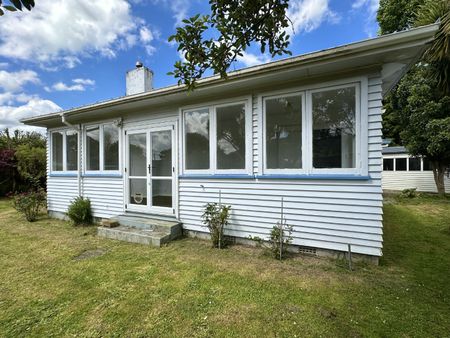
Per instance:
x=67, y=53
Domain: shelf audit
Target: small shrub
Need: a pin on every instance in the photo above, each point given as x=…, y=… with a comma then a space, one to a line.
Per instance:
x=278, y=241
x=215, y=217
x=80, y=211
x=30, y=203
x=409, y=193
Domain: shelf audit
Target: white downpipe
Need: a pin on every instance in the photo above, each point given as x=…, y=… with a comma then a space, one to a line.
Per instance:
x=78, y=129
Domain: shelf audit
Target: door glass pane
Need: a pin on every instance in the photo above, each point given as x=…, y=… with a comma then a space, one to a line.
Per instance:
x=57, y=151
x=162, y=193
x=196, y=126
x=284, y=132
x=72, y=149
x=138, y=191
x=138, y=154
x=400, y=164
x=161, y=153
x=231, y=137
x=414, y=164
x=334, y=128
x=426, y=164
x=111, y=147
x=93, y=148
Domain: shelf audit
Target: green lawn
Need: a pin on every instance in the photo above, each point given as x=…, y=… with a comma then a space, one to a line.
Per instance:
x=188, y=289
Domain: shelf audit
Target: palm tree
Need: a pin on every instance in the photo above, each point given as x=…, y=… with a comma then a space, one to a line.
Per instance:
x=439, y=52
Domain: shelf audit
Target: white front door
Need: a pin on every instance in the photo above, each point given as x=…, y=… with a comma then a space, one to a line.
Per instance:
x=151, y=170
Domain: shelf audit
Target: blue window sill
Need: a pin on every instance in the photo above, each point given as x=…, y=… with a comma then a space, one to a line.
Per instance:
x=331, y=177
x=219, y=176
x=63, y=175
x=103, y=175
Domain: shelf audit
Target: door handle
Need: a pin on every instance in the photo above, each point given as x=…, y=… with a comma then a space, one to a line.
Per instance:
x=149, y=168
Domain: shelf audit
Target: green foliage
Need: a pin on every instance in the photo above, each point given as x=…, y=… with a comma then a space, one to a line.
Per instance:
x=16, y=5
x=278, y=241
x=409, y=193
x=234, y=25
x=80, y=211
x=397, y=15
x=215, y=217
x=31, y=162
x=30, y=203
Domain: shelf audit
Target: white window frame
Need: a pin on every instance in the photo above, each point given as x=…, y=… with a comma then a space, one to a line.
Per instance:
x=361, y=128
x=301, y=170
x=101, y=170
x=64, y=150
x=212, y=108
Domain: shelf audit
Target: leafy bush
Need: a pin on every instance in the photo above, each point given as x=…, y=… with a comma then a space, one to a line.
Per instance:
x=215, y=217
x=30, y=203
x=409, y=193
x=278, y=241
x=80, y=211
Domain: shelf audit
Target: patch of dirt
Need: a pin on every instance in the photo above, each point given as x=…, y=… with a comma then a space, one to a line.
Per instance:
x=90, y=254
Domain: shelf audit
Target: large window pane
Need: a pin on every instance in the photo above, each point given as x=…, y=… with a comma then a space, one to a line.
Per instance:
x=426, y=164
x=388, y=164
x=196, y=125
x=400, y=164
x=57, y=151
x=161, y=153
x=231, y=137
x=110, y=147
x=138, y=154
x=72, y=149
x=333, y=113
x=414, y=164
x=284, y=132
x=162, y=193
x=93, y=149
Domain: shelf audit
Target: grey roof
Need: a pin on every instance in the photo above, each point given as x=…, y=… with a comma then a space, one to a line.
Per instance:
x=394, y=150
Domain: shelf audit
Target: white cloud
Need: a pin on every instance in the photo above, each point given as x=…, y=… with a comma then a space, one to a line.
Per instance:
x=59, y=32
x=146, y=36
x=308, y=15
x=78, y=85
x=249, y=59
x=10, y=115
x=370, y=7
x=14, y=81
x=87, y=82
x=179, y=9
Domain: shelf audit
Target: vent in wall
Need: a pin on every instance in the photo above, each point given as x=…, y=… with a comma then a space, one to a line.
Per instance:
x=307, y=250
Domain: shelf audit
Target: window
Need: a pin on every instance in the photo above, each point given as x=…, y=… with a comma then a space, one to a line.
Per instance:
x=196, y=125
x=426, y=164
x=400, y=164
x=64, y=152
x=414, y=163
x=334, y=115
x=215, y=138
x=102, y=148
x=231, y=137
x=283, y=130
x=388, y=164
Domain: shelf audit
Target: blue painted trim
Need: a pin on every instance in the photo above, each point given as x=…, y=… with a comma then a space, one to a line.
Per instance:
x=56, y=174
x=103, y=175
x=218, y=176
x=330, y=177
x=347, y=177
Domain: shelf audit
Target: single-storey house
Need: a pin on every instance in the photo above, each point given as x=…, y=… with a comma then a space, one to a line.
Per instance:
x=306, y=128
x=403, y=171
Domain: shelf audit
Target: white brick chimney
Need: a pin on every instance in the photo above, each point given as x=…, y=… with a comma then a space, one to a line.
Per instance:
x=139, y=80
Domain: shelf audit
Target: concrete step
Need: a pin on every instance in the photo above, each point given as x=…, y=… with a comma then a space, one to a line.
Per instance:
x=135, y=235
x=143, y=230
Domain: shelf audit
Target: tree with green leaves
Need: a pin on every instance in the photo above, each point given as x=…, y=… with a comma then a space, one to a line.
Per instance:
x=417, y=112
x=215, y=41
x=15, y=5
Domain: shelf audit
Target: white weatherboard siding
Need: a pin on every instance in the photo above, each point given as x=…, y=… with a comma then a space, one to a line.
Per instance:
x=106, y=195
x=327, y=214
x=421, y=180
